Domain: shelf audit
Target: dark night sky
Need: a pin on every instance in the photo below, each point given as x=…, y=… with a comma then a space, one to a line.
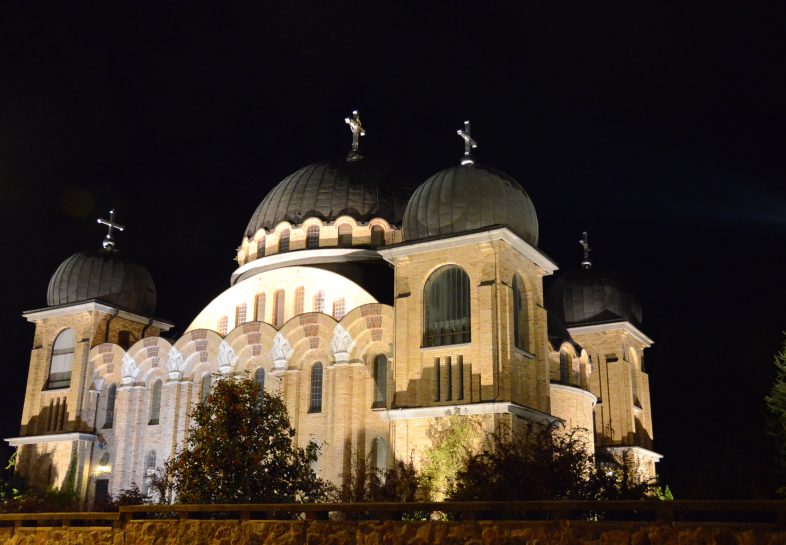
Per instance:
x=657, y=128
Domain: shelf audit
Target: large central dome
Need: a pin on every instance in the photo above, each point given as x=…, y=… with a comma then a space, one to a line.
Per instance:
x=326, y=190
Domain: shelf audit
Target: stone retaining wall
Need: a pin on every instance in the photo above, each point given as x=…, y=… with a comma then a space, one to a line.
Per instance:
x=199, y=532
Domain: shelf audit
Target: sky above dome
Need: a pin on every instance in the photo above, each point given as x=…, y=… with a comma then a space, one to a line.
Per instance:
x=657, y=128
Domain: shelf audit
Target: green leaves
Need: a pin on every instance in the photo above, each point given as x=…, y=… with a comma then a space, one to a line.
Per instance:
x=241, y=450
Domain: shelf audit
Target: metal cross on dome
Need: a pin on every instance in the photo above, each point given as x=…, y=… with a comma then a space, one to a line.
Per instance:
x=357, y=131
x=585, y=263
x=469, y=143
x=109, y=241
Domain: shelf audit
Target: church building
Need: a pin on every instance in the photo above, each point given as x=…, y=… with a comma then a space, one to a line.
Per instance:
x=373, y=311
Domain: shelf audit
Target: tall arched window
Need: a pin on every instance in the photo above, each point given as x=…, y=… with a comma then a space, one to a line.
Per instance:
x=520, y=318
x=155, y=403
x=319, y=301
x=240, y=314
x=261, y=247
x=312, y=237
x=204, y=391
x=446, y=298
x=339, y=308
x=223, y=325
x=283, y=241
x=380, y=380
x=111, y=394
x=564, y=367
x=377, y=235
x=300, y=300
x=259, y=307
x=62, y=360
x=315, y=400
x=278, y=309
x=259, y=377
x=344, y=235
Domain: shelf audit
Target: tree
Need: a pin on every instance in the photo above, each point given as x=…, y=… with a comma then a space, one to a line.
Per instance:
x=240, y=450
x=776, y=409
x=544, y=464
x=453, y=439
x=365, y=483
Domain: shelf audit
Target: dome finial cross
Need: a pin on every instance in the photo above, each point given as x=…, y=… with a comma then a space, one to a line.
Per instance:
x=357, y=131
x=469, y=143
x=585, y=263
x=109, y=241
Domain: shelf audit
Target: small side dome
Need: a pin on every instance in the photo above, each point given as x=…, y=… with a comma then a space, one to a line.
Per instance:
x=469, y=197
x=592, y=296
x=106, y=275
x=360, y=188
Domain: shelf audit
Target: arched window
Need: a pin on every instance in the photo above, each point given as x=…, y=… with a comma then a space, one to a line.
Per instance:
x=204, y=391
x=319, y=301
x=379, y=454
x=564, y=367
x=240, y=314
x=283, y=241
x=315, y=400
x=155, y=403
x=223, y=325
x=111, y=394
x=446, y=297
x=150, y=462
x=377, y=235
x=259, y=377
x=259, y=307
x=344, y=235
x=62, y=360
x=312, y=237
x=520, y=318
x=261, y=247
x=380, y=380
x=278, y=310
x=300, y=300
x=339, y=308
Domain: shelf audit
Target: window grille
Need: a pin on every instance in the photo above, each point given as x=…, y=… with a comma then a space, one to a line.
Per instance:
x=155, y=403
x=447, y=307
x=110, y=406
x=283, y=241
x=223, y=324
x=312, y=237
x=204, y=391
x=380, y=380
x=62, y=360
x=279, y=309
x=339, y=308
x=259, y=307
x=315, y=401
x=377, y=235
x=319, y=301
x=344, y=235
x=300, y=300
x=240, y=314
